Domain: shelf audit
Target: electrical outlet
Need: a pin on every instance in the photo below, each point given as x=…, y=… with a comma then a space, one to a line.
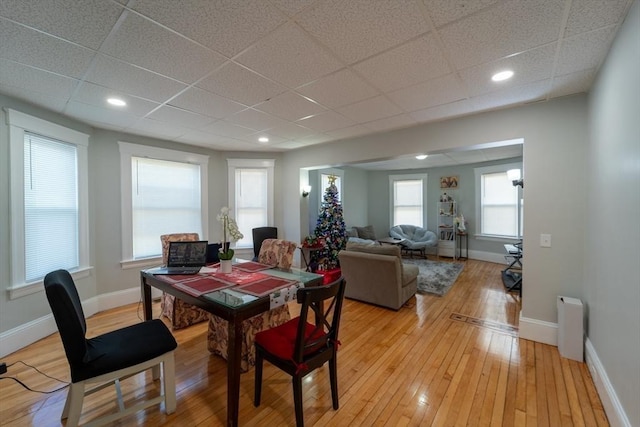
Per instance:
x=545, y=240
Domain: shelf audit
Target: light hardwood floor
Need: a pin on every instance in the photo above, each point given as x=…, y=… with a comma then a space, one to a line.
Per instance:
x=441, y=361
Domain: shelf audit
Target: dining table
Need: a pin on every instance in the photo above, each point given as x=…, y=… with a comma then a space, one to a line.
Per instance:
x=234, y=297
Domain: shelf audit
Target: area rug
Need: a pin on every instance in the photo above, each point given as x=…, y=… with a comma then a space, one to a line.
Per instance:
x=435, y=277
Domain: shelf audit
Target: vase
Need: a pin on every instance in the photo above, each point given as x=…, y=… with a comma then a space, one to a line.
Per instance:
x=225, y=266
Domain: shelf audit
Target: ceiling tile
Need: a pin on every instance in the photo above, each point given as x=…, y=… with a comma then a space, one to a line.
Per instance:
x=587, y=15
x=395, y=122
x=289, y=130
x=445, y=11
x=585, y=51
x=86, y=22
x=205, y=139
x=48, y=84
x=289, y=56
x=240, y=84
x=341, y=88
x=122, y=77
x=442, y=90
x=157, y=129
x=225, y=26
x=226, y=129
x=100, y=116
x=523, y=25
x=370, y=109
x=89, y=93
x=33, y=48
x=206, y=103
x=180, y=117
x=254, y=119
x=327, y=121
x=364, y=23
x=141, y=42
x=290, y=106
x=349, y=132
x=569, y=84
x=51, y=102
x=529, y=66
x=452, y=109
x=411, y=63
x=518, y=95
x=291, y=7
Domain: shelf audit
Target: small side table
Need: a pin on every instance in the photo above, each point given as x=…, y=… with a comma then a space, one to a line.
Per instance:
x=306, y=255
x=460, y=238
x=390, y=241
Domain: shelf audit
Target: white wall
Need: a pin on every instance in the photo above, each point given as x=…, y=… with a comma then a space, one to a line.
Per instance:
x=612, y=254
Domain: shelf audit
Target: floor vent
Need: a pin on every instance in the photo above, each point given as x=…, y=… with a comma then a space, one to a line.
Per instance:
x=488, y=324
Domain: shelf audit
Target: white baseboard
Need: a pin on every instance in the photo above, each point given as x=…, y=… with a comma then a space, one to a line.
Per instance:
x=538, y=330
x=28, y=333
x=488, y=257
x=614, y=410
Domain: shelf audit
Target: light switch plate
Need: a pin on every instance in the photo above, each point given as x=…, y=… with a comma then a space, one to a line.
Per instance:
x=545, y=240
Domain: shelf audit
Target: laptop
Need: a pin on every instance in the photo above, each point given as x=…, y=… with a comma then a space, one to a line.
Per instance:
x=184, y=258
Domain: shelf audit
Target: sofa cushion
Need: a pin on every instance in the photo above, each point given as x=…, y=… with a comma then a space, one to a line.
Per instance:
x=361, y=241
x=373, y=248
x=366, y=232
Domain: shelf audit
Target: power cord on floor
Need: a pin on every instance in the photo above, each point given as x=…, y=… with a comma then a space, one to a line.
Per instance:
x=66, y=384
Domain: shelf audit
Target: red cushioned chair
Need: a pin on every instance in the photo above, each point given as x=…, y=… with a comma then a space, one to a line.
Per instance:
x=299, y=347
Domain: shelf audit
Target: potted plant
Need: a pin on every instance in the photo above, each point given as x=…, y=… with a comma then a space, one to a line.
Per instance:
x=230, y=233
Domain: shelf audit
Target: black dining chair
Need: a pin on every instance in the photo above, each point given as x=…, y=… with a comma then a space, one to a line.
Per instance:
x=299, y=347
x=106, y=359
x=260, y=234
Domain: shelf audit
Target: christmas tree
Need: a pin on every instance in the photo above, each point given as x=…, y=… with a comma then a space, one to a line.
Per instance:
x=330, y=227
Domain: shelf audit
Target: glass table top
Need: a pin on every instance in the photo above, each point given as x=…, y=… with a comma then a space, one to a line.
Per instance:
x=233, y=297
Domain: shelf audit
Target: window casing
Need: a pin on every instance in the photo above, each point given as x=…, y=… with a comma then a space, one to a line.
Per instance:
x=49, y=201
x=408, y=195
x=324, y=183
x=498, y=202
x=250, y=195
x=163, y=191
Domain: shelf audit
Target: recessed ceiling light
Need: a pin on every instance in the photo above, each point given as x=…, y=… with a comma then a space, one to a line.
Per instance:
x=263, y=139
x=421, y=157
x=502, y=75
x=117, y=102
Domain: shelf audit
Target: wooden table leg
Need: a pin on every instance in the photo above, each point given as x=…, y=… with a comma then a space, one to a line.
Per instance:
x=146, y=298
x=234, y=354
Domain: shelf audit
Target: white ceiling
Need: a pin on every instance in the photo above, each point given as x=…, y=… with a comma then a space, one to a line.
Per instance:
x=221, y=73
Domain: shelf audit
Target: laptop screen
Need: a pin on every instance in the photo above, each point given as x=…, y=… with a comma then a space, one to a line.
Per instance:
x=187, y=254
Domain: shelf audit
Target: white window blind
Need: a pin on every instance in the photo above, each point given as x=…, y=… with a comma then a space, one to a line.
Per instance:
x=51, y=212
x=408, y=202
x=499, y=205
x=251, y=196
x=166, y=198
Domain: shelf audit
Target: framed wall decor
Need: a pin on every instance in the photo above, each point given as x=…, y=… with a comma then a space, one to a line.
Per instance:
x=449, y=181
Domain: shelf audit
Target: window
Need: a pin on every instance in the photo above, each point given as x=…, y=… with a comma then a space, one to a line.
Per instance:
x=324, y=182
x=498, y=202
x=49, y=193
x=163, y=192
x=407, y=199
x=250, y=195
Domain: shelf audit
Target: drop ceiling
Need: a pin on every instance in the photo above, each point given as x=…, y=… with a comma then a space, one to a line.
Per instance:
x=221, y=74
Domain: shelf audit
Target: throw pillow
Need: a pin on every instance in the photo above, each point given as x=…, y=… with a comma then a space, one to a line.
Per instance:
x=366, y=232
x=352, y=232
